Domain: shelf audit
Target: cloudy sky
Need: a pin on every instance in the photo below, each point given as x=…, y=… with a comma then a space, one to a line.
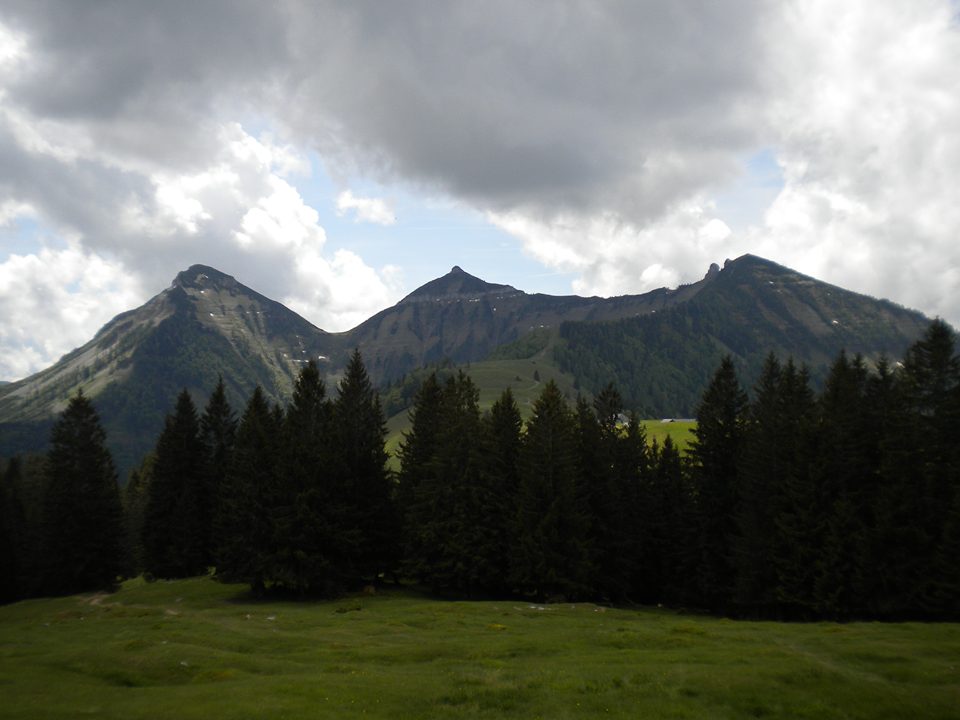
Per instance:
x=335, y=156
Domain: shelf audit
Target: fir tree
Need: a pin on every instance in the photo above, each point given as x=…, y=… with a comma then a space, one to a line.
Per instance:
x=12, y=530
x=453, y=528
x=218, y=428
x=611, y=476
x=418, y=473
x=311, y=537
x=930, y=381
x=716, y=449
x=134, y=498
x=797, y=512
x=764, y=462
x=360, y=462
x=500, y=446
x=843, y=480
x=552, y=557
x=894, y=535
x=668, y=520
x=248, y=498
x=81, y=504
x=173, y=526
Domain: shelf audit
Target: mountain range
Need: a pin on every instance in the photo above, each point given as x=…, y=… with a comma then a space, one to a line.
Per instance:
x=659, y=348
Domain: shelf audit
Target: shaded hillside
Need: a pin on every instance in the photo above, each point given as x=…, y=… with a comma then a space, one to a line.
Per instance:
x=661, y=362
x=204, y=325
x=659, y=348
x=461, y=318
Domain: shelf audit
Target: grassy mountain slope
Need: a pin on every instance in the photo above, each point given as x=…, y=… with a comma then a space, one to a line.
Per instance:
x=658, y=348
x=205, y=325
x=662, y=361
x=462, y=319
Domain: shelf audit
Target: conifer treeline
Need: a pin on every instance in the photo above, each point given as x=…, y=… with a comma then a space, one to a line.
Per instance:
x=788, y=505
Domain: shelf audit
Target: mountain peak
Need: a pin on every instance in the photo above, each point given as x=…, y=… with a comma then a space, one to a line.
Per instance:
x=457, y=283
x=200, y=276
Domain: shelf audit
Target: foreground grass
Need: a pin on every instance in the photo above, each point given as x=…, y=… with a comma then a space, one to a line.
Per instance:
x=196, y=648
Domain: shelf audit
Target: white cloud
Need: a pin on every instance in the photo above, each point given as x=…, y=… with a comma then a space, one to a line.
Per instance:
x=862, y=108
x=868, y=124
x=239, y=214
x=53, y=301
x=597, y=134
x=372, y=210
x=614, y=257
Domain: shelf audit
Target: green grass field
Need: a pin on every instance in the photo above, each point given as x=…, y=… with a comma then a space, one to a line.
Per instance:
x=199, y=649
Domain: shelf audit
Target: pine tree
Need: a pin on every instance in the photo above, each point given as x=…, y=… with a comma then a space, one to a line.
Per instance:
x=245, y=534
x=843, y=481
x=667, y=509
x=716, y=449
x=552, y=557
x=82, y=522
x=500, y=447
x=359, y=432
x=797, y=516
x=610, y=474
x=173, y=528
x=418, y=473
x=312, y=539
x=452, y=501
x=218, y=429
x=895, y=536
x=931, y=385
x=134, y=498
x=763, y=464
x=12, y=522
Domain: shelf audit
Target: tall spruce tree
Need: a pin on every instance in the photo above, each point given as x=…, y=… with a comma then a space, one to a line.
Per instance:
x=716, y=450
x=246, y=542
x=763, y=462
x=174, y=529
x=843, y=480
x=82, y=523
x=218, y=429
x=667, y=510
x=611, y=481
x=895, y=535
x=134, y=497
x=312, y=539
x=797, y=516
x=930, y=380
x=418, y=474
x=360, y=462
x=500, y=446
x=552, y=557
x=12, y=530
x=453, y=501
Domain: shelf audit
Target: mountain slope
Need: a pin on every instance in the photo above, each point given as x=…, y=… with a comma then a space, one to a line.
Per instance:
x=659, y=348
x=204, y=325
x=661, y=362
x=461, y=318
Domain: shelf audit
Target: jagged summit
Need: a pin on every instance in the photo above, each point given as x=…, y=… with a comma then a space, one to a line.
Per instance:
x=200, y=276
x=457, y=283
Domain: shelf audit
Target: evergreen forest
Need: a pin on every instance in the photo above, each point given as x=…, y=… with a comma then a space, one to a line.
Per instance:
x=790, y=503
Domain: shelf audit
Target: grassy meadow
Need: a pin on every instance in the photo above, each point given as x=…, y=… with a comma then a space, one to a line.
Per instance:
x=197, y=648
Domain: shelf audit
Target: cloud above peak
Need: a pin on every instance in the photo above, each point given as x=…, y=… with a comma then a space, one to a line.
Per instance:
x=364, y=209
x=605, y=137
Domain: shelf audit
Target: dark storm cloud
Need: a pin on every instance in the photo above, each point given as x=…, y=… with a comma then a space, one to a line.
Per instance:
x=146, y=79
x=542, y=106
